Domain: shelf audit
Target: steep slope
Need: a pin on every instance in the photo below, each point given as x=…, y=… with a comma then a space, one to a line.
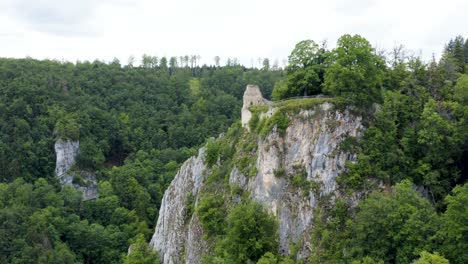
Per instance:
x=287, y=162
x=174, y=235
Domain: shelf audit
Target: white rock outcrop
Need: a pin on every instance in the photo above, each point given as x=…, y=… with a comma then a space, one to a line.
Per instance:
x=178, y=236
x=66, y=152
x=310, y=147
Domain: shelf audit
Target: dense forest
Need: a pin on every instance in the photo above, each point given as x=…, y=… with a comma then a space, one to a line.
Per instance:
x=136, y=124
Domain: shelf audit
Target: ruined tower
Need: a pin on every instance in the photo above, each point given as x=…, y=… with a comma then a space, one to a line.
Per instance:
x=252, y=96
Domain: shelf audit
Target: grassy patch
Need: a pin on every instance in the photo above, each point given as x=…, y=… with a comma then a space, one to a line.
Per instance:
x=259, y=108
x=295, y=105
x=194, y=85
x=278, y=119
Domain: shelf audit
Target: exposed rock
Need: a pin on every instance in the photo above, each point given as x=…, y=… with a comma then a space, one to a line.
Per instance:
x=66, y=152
x=176, y=238
x=311, y=144
x=310, y=148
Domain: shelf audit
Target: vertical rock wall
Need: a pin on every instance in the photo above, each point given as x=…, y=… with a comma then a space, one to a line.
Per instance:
x=310, y=148
x=66, y=152
x=177, y=237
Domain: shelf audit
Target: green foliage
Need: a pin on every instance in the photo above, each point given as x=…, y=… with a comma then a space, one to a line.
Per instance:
x=299, y=179
x=280, y=90
x=411, y=137
x=280, y=172
x=455, y=50
x=295, y=105
x=68, y=127
x=250, y=233
x=460, y=93
x=329, y=233
x=90, y=155
x=217, y=150
x=254, y=121
x=246, y=164
x=131, y=192
x=393, y=227
x=268, y=258
x=454, y=231
x=40, y=225
x=354, y=72
x=428, y=258
x=141, y=253
x=212, y=214
x=117, y=110
x=278, y=120
x=305, y=71
x=144, y=121
x=367, y=260
x=189, y=207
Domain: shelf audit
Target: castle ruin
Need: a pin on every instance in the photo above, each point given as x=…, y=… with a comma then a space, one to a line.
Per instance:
x=252, y=96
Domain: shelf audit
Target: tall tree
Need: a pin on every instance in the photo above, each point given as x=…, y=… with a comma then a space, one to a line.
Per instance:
x=454, y=233
x=306, y=69
x=354, y=71
x=266, y=64
x=393, y=226
x=466, y=52
x=455, y=50
x=163, y=63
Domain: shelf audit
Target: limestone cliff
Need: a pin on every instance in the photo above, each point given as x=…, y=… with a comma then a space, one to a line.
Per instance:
x=66, y=152
x=292, y=170
x=175, y=236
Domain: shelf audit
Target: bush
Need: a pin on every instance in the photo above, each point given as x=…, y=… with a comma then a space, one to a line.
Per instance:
x=212, y=213
x=68, y=128
x=280, y=172
x=278, y=119
x=250, y=233
x=217, y=149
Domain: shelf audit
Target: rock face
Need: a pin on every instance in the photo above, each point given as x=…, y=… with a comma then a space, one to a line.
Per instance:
x=178, y=235
x=309, y=150
x=66, y=152
x=252, y=96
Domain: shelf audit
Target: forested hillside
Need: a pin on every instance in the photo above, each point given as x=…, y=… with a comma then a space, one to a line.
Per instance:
x=370, y=169
x=135, y=126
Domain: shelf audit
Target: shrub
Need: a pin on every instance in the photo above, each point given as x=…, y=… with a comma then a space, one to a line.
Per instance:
x=212, y=213
x=250, y=233
x=280, y=172
x=278, y=119
x=217, y=149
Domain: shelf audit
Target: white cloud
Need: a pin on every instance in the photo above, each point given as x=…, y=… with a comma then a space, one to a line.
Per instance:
x=88, y=30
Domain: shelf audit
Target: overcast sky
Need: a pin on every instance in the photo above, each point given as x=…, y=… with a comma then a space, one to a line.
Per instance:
x=247, y=29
